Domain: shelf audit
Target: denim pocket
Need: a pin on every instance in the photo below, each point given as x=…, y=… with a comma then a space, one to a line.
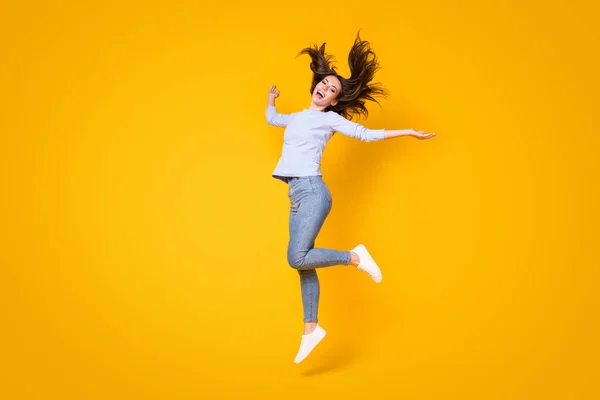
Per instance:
x=327, y=193
x=303, y=186
x=321, y=188
x=300, y=188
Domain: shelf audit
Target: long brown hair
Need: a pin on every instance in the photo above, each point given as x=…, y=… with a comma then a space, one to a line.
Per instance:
x=357, y=89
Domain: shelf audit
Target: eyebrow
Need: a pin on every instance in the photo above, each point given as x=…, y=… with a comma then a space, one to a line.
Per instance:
x=331, y=84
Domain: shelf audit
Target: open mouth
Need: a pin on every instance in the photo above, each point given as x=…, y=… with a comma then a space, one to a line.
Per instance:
x=320, y=94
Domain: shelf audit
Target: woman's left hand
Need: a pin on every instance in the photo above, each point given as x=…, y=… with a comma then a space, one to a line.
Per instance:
x=420, y=134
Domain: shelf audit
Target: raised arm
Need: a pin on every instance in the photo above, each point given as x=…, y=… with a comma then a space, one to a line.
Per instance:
x=273, y=117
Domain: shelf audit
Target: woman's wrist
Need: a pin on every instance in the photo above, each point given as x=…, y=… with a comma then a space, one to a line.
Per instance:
x=392, y=133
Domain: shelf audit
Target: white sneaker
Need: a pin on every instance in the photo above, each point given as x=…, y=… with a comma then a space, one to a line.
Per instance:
x=367, y=264
x=308, y=343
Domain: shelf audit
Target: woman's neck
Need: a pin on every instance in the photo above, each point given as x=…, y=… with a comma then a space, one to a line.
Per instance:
x=315, y=107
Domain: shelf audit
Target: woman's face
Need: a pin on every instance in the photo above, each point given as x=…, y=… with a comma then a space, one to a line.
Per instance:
x=326, y=91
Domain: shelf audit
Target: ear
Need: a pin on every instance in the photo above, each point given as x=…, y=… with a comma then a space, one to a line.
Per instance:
x=333, y=103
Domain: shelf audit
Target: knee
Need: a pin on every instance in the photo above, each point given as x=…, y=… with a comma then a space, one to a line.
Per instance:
x=295, y=259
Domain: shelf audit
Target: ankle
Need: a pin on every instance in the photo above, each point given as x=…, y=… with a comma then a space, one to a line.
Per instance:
x=354, y=259
x=309, y=327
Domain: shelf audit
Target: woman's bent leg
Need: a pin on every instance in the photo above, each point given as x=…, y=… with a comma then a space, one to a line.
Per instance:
x=306, y=222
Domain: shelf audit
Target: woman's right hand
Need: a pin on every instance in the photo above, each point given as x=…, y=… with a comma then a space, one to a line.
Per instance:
x=273, y=92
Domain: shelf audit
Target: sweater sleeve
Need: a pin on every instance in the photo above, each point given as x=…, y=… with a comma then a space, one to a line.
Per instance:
x=352, y=129
x=276, y=119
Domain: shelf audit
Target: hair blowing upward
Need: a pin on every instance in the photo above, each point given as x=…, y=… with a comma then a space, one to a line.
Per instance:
x=355, y=90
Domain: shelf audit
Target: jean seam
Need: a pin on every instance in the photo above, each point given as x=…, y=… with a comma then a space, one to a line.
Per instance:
x=310, y=301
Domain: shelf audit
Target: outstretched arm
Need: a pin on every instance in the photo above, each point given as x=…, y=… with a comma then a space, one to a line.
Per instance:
x=352, y=129
x=273, y=117
x=389, y=134
x=357, y=131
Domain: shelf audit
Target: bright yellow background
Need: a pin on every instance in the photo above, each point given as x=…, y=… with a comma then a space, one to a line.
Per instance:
x=144, y=240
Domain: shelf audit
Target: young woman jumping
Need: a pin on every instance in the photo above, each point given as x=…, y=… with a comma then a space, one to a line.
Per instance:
x=335, y=100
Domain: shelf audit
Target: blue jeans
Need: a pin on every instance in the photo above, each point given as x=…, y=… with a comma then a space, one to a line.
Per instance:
x=310, y=204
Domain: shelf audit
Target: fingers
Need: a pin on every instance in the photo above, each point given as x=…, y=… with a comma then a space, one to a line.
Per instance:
x=274, y=91
x=422, y=135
